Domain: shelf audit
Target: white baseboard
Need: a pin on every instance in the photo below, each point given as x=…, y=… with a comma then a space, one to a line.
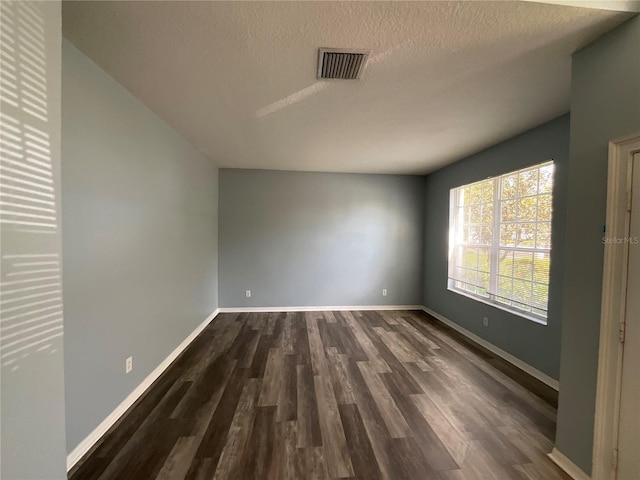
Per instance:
x=85, y=445
x=534, y=372
x=319, y=309
x=567, y=465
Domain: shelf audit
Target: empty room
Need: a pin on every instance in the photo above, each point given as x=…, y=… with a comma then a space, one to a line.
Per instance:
x=320, y=240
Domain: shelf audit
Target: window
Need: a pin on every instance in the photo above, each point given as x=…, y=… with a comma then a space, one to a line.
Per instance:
x=500, y=240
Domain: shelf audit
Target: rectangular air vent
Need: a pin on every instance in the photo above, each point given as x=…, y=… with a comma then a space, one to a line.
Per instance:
x=341, y=64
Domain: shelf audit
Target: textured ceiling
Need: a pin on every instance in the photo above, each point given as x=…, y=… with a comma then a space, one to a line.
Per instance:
x=237, y=79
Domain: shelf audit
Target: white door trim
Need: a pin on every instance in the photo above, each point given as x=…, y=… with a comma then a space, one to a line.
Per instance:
x=614, y=283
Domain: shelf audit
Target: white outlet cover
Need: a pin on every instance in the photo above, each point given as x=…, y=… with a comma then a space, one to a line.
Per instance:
x=384, y=292
x=248, y=293
x=128, y=365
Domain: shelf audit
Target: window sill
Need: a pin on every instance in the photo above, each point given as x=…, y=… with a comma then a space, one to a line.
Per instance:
x=513, y=311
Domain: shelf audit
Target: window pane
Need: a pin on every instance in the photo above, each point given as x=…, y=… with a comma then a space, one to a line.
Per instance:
x=487, y=191
x=487, y=213
x=544, y=235
x=523, y=265
x=544, y=208
x=463, y=215
x=528, y=183
x=486, y=237
x=474, y=235
x=475, y=193
x=475, y=214
x=522, y=292
x=505, y=288
x=463, y=196
x=508, y=211
x=509, y=186
x=470, y=257
x=527, y=209
x=541, y=268
x=546, y=179
x=458, y=273
x=483, y=284
x=508, y=235
x=505, y=263
x=483, y=260
x=509, y=253
x=540, y=296
x=464, y=235
x=526, y=234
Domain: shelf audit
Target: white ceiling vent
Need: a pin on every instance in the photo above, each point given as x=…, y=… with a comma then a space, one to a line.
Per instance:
x=341, y=64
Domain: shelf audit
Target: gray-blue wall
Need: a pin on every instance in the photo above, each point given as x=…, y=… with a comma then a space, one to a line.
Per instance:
x=32, y=436
x=139, y=211
x=319, y=239
x=536, y=344
x=144, y=260
x=605, y=105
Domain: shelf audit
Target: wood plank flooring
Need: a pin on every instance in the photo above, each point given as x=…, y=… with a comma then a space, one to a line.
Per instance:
x=319, y=395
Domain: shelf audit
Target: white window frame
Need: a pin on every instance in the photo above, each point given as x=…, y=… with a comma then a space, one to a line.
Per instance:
x=494, y=248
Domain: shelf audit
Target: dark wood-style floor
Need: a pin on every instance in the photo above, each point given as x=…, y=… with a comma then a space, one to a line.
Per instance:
x=315, y=395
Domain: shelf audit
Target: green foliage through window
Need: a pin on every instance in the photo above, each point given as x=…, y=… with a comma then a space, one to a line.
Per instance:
x=500, y=239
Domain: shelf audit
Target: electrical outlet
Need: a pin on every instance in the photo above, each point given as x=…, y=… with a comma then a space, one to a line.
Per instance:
x=384, y=292
x=128, y=365
x=247, y=293
x=485, y=321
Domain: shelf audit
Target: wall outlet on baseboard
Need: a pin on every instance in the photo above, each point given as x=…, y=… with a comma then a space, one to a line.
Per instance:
x=485, y=321
x=247, y=293
x=128, y=366
x=384, y=292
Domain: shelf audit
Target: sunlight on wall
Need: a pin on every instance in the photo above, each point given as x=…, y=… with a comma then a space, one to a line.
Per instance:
x=30, y=269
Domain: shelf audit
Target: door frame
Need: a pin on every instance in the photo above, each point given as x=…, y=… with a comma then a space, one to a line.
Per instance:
x=614, y=294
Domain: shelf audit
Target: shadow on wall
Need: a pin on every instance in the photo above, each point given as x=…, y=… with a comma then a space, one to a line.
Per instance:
x=30, y=270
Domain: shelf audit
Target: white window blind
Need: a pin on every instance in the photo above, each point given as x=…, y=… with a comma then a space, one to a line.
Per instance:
x=500, y=239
